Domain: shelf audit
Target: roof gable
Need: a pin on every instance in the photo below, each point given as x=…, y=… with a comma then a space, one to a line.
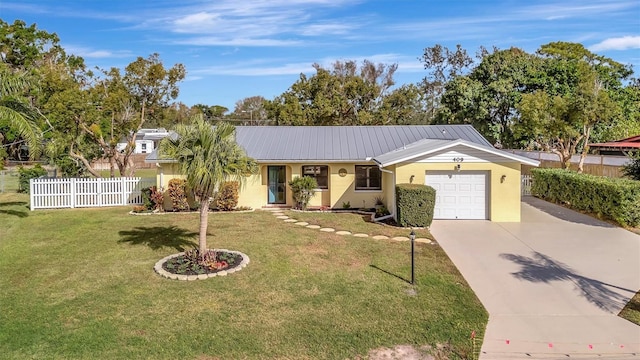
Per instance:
x=428, y=147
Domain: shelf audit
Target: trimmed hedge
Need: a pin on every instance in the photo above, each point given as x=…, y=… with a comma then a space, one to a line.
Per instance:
x=415, y=204
x=610, y=198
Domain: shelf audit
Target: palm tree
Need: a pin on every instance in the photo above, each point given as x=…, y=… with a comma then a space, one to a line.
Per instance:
x=15, y=112
x=208, y=156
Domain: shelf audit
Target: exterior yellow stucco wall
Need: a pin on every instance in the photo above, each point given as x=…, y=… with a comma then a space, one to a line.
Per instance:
x=504, y=196
x=341, y=188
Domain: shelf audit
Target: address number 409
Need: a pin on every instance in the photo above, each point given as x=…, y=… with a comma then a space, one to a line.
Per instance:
x=458, y=159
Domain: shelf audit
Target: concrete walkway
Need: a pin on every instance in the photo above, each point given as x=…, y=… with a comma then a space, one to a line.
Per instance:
x=553, y=284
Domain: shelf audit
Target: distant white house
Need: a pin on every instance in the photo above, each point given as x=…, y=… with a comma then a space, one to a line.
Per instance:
x=146, y=140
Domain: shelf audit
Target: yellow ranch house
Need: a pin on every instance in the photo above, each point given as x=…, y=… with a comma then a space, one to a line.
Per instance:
x=355, y=165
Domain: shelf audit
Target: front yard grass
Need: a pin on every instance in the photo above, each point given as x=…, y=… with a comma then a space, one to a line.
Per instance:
x=79, y=283
x=631, y=311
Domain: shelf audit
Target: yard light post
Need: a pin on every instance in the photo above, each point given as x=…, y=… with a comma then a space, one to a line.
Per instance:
x=412, y=237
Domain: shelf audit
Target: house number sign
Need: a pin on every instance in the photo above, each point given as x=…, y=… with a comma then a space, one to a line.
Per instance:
x=458, y=159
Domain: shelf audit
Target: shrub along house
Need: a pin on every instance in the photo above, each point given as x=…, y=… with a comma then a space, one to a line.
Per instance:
x=354, y=165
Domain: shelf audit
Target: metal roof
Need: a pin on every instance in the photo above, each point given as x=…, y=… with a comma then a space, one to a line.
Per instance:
x=342, y=143
x=631, y=143
x=429, y=146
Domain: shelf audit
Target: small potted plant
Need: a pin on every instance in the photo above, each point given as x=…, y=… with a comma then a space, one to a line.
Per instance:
x=379, y=202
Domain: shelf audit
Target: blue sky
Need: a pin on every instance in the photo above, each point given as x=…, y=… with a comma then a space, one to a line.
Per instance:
x=233, y=49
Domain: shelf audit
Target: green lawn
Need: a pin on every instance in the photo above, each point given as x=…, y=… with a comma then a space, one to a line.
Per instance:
x=631, y=311
x=8, y=180
x=78, y=283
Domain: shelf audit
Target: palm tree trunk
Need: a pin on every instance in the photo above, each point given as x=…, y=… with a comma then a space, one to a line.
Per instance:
x=204, y=220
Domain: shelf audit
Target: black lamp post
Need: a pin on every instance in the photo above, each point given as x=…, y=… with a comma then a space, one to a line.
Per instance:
x=412, y=236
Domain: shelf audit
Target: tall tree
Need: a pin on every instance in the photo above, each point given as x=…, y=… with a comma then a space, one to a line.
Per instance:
x=251, y=109
x=443, y=65
x=94, y=113
x=27, y=47
x=151, y=85
x=345, y=94
x=403, y=106
x=208, y=156
x=563, y=122
x=488, y=95
x=585, y=80
x=71, y=106
x=211, y=113
x=626, y=122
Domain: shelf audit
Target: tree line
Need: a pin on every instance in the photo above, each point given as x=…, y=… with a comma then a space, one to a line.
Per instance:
x=557, y=99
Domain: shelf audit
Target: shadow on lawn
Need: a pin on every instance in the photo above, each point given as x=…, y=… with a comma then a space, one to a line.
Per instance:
x=158, y=237
x=18, y=213
x=544, y=269
x=390, y=273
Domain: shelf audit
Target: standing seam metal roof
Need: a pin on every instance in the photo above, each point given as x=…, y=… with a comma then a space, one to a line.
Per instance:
x=342, y=143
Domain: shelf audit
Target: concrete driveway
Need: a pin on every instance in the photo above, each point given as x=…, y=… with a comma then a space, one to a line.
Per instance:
x=553, y=284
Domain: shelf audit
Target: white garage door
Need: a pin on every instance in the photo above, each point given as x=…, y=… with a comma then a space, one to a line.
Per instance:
x=459, y=195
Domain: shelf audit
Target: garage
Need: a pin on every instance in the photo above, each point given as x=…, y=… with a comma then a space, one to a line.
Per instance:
x=459, y=195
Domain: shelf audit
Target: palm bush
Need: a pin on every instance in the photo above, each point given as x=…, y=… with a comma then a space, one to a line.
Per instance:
x=302, y=190
x=208, y=156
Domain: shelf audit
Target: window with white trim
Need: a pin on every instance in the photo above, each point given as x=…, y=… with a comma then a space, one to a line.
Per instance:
x=368, y=177
x=319, y=172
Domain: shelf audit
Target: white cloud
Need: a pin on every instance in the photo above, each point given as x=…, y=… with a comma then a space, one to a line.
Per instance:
x=222, y=41
x=326, y=29
x=278, y=67
x=570, y=9
x=94, y=53
x=618, y=43
x=256, y=68
x=196, y=22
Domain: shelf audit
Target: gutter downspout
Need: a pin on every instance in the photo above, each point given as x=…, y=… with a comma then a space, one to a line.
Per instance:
x=393, y=194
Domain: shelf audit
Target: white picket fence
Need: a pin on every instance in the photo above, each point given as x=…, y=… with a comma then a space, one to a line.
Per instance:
x=525, y=187
x=47, y=193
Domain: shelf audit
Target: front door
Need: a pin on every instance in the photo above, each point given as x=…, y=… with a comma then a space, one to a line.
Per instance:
x=277, y=179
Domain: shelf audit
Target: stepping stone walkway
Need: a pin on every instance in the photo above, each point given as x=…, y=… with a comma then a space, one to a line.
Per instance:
x=400, y=238
x=281, y=216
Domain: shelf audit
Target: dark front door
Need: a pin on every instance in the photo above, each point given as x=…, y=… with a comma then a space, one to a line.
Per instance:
x=277, y=178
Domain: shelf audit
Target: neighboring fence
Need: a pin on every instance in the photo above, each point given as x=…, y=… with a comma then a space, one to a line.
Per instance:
x=79, y=192
x=8, y=181
x=599, y=165
x=525, y=187
x=137, y=160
